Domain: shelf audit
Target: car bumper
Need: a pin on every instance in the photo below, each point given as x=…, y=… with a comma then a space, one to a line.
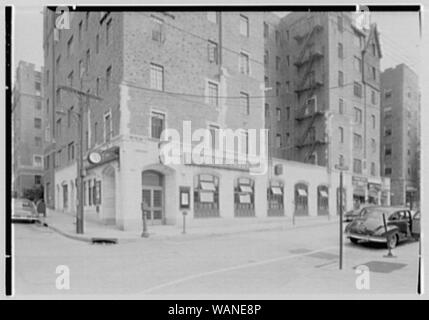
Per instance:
x=366, y=237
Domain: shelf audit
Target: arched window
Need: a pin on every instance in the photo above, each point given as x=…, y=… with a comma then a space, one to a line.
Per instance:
x=301, y=199
x=244, y=197
x=322, y=200
x=275, y=199
x=206, y=196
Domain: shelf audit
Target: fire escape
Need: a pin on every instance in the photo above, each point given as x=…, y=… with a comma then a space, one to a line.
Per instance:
x=307, y=86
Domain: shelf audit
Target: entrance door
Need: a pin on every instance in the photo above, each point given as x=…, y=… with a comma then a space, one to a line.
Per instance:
x=152, y=196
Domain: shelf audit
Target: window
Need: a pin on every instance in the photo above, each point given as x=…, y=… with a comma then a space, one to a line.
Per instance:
x=373, y=97
x=69, y=116
x=214, y=133
x=38, y=105
x=212, y=16
x=58, y=161
x=69, y=46
x=387, y=93
x=38, y=141
x=278, y=140
x=341, y=106
x=157, y=124
x=107, y=127
x=277, y=36
x=95, y=133
x=358, y=64
x=244, y=25
x=340, y=23
x=80, y=31
x=373, y=145
x=245, y=103
x=288, y=61
x=278, y=86
x=206, y=196
x=340, y=78
x=213, y=52
x=340, y=50
x=341, y=133
x=156, y=77
x=87, y=20
x=266, y=30
x=373, y=121
x=287, y=86
x=266, y=58
x=341, y=160
x=357, y=166
x=70, y=151
x=358, y=115
x=287, y=113
x=388, y=171
x=87, y=60
x=213, y=94
x=37, y=123
x=97, y=43
x=37, y=179
x=388, y=149
x=374, y=73
x=46, y=162
x=37, y=87
x=387, y=131
x=357, y=89
x=108, y=75
x=157, y=26
x=108, y=27
x=58, y=63
x=357, y=141
x=38, y=161
x=278, y=114
x=70, y=79
x=267, y=110
x=58, y=127
x=244, y=63
x=277, y=63
x=267, y=82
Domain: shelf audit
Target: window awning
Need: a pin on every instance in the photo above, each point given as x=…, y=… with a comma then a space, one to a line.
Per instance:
x=302, y=192
x=209, y=186
x=360, y=192
x=323, y=193
x=276, y=190
x=245, y=188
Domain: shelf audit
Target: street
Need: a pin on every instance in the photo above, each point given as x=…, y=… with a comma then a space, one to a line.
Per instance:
x=274, y=264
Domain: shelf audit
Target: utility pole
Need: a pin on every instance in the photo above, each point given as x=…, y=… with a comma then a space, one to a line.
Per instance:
x=80, y=167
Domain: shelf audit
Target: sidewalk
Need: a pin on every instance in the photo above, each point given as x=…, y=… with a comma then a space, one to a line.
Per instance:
x=64, y=224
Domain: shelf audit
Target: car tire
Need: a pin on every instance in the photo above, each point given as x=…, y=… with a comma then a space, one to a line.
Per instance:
x=354, y=240
x=392, y=241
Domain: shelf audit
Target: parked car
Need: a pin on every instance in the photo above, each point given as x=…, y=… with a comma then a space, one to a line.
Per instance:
x=352, y=214
x=23, y=210
x=369, y=226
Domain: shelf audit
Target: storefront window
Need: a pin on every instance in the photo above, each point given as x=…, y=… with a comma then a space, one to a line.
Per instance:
x=244, y=197
x=275, y=199
x=301, y=199
x=322, y=200
x=206, y=196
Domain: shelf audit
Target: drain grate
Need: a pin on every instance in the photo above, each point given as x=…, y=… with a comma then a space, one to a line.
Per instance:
x=104, y=241
x=382, y=266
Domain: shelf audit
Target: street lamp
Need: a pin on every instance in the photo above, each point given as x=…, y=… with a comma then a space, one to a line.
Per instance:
x=341, y=167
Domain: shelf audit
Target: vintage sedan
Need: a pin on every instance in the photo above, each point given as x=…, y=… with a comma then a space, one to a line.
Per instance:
x=401, y=224
x=23, y=210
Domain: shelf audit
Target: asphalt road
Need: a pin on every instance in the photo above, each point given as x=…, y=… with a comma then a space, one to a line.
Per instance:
x=271, y=264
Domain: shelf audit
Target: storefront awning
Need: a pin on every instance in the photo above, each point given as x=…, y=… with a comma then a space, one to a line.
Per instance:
x=302, y=192
x=323, y=193
x=360, y=192
x=245, y=188
x=276, y=190
x=208, y=186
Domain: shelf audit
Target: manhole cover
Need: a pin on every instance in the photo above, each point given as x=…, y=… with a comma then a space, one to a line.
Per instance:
x=383, y=267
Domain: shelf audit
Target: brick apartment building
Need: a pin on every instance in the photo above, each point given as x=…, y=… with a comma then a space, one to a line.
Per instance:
x=400, y=133
x=155, y=70
x=324, y=73
x=27, y=129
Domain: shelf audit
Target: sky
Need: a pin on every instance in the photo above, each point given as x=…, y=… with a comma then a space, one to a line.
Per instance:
x=399, y=33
